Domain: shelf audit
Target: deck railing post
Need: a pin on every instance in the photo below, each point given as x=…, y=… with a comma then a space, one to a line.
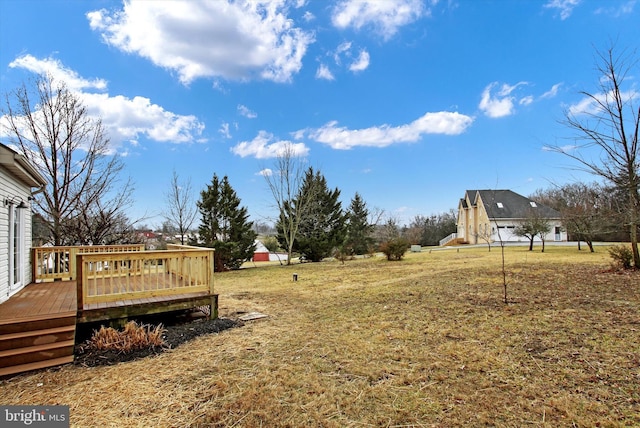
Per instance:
x=210, y=270
x=34, y=265
x=73, y=251
x=80, y=280
x=213, y=308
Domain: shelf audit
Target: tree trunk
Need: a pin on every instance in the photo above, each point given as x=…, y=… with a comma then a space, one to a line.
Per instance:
x=634, y=245
x=634, y=201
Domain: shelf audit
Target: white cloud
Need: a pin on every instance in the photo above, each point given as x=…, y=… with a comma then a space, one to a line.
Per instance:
x=342, y=48
x=616, y=11
x=552, y=92
x=344, y=52
x=58, y=71
x=263, y=146
x=563, y=7
x=224, y=130
x=323, y=72
x=525, y=101
x=501, y=103
x=212, y=39
x=562, y=149
x=130, y=118
x=267, y=172
x=584, y=106
x=361, y=63
x=593, y=106
x=447, y=123
x=384, y=16
x=125, y=119
x=298, y=135
x=244, y=111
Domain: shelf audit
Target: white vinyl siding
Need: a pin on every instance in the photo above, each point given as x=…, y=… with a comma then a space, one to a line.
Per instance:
x=11, y=188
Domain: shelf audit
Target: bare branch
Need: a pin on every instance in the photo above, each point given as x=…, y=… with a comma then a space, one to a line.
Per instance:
x=53, y=130
x=603, y=125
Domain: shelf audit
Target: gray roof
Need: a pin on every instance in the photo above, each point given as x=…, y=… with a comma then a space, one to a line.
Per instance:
x=508, y=204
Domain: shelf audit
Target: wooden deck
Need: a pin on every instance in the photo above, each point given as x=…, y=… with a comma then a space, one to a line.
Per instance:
x=41, y=300
x=38, y=324
x=56, y=299
x=75, y=285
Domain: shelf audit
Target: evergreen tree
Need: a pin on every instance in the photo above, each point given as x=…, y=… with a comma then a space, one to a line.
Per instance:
x=322, y=228
x=224, y=225
x=359, y=238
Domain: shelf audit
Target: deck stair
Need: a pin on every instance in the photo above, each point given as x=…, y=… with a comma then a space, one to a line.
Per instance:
x=36, y=342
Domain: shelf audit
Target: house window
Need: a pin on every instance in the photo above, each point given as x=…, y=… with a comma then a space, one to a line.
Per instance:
x=533, y=204
x=499, y=204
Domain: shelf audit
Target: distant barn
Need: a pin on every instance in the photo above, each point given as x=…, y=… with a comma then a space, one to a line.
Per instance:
x=261, y=254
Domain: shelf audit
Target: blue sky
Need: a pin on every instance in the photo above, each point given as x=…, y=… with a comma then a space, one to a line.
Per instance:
x=407, y=102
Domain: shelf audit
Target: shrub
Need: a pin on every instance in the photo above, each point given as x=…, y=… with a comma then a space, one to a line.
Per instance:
x=343, y=253
x=394, y=249
x=133, y=337
x=622, y=256
x=271, y=244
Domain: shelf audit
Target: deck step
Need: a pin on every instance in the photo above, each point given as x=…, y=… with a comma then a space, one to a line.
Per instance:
x=32, y=354
x=37, y=337
x=7, y=371
x=35, y=342
x=32, y=323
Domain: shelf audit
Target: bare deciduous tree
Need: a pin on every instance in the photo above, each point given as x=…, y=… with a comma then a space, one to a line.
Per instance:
x=181, y=206
x=53, y=130
x=609, y=121
x=485, y=233
x=387, y=231
x=102, y=222
x=285, y=184
x=535, y=224
x=583, y=208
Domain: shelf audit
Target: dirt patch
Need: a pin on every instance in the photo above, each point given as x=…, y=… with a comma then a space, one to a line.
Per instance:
x=177, y=332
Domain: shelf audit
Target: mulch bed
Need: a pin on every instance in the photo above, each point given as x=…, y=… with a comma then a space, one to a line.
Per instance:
x=176, y=333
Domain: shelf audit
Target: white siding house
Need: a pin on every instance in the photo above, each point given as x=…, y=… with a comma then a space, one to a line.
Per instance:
x=17, y=179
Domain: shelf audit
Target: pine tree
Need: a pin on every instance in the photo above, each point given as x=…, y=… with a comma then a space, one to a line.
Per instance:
x=322, y=227
x=358, y=237
x=224, y=225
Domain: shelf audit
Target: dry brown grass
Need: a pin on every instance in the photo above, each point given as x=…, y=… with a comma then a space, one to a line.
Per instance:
x=422, y=342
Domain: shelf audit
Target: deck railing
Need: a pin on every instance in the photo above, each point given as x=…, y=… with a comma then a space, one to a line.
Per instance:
x=58, y=263
x=448, y=239
x=111, y=277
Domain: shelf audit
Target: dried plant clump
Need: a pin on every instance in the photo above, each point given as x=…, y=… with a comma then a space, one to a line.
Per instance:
x=133, y=337
x=622, y=256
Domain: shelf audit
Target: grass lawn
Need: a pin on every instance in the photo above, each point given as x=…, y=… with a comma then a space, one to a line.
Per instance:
x=427, y=341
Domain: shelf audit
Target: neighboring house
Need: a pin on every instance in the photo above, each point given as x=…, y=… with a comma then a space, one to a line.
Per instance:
x=262, y=254
x=17, y=179
x=482, y=214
